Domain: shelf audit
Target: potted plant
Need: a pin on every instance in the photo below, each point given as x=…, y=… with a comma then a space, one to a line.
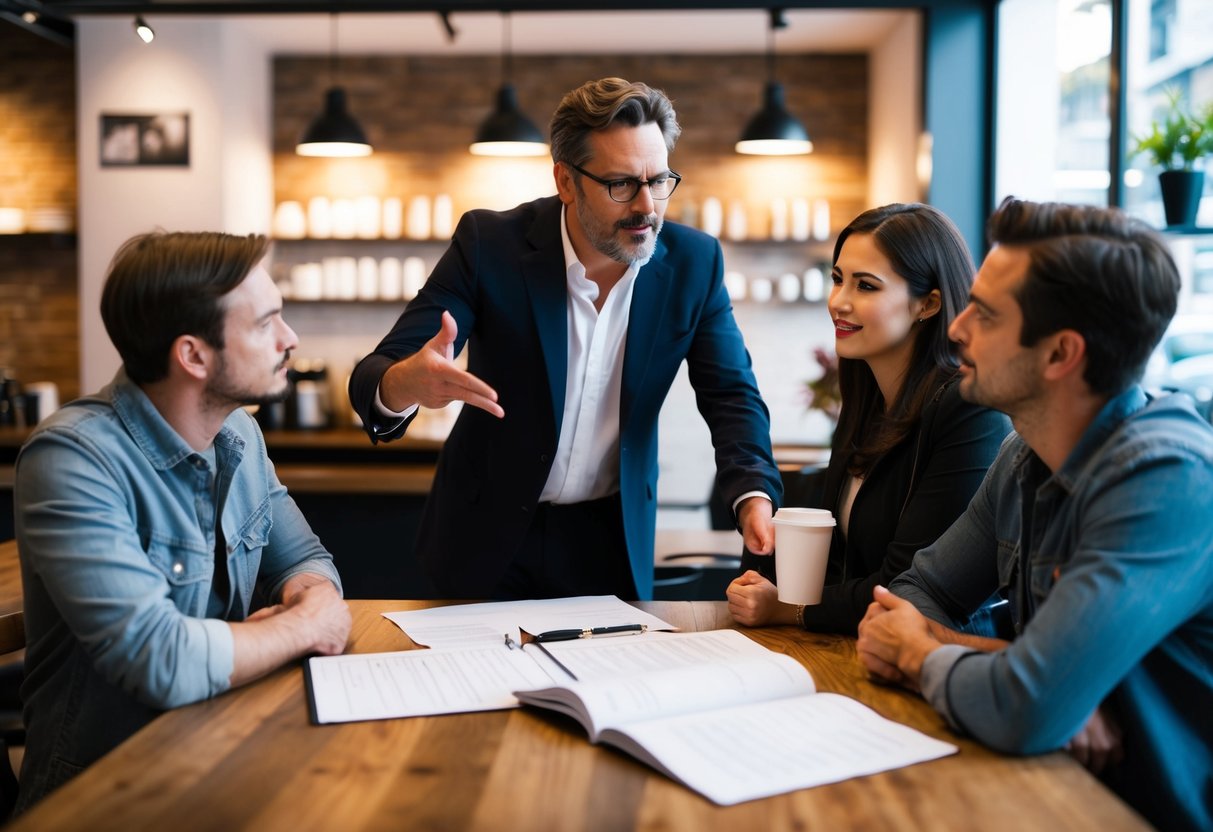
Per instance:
x=822, y=393
x=1176, y=144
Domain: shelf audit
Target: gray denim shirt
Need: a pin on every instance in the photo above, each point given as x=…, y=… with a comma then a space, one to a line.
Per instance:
x=1108, y=567
x=116, y=525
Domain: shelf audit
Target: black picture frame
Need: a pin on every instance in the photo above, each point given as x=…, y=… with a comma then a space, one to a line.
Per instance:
x=146, y=140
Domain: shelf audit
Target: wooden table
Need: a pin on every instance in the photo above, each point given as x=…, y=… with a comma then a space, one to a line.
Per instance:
x=250, y=760
x=10, y=578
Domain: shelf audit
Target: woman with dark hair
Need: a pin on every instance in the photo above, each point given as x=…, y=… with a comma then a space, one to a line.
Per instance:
x=908, y=452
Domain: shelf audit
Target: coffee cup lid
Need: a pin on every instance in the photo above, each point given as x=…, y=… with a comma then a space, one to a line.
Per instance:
x=804, y=517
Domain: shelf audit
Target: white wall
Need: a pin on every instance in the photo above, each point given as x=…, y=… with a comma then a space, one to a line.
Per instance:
x=196, y=65
x=895, y=113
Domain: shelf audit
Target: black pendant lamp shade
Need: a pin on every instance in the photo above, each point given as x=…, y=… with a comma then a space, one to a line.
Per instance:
x=334, y=132
x=774, y=131
x=507, y=131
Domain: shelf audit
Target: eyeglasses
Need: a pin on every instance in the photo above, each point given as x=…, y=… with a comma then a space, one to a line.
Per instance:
x=625, y=190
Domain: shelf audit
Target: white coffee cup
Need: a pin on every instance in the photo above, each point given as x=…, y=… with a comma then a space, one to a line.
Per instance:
x=802, y=549
x=46, y=394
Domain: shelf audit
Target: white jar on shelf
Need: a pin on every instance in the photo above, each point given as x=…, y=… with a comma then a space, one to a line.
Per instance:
x=814, y=284
x=391, y=277
x=712, y=217
x=788, y=288
x=414, y=277
x=319, y=218
x=801, y=223
x=345, y=224
x=444, y=218
x=417, y=225
x=393, y=218
x=290, y=223
x=779, y=219
x=738, y=225
x=821, y=219
x=368, y=217
x=368, y=278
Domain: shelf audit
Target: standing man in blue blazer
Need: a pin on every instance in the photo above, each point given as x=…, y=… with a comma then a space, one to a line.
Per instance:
x=578, y=311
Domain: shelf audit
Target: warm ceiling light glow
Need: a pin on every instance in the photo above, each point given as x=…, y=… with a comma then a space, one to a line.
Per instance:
x=144, y=31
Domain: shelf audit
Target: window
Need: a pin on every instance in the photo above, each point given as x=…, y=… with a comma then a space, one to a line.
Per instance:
x=1053, y=127
x=1168, y=49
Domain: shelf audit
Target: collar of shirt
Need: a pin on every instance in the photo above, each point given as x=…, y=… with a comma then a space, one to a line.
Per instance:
x=156, y=438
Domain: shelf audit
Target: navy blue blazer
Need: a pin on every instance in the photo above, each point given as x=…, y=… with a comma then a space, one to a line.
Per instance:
x=504, y=281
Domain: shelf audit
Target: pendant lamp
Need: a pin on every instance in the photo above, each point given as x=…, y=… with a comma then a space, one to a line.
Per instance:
x=774, y=131
x=507, y=131
x=334, y=132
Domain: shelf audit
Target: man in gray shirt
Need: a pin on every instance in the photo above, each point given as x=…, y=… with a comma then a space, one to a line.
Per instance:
x=1094, y=523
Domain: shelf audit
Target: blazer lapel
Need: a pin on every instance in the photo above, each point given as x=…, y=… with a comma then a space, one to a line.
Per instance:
x=649, y=298
x=544, y=271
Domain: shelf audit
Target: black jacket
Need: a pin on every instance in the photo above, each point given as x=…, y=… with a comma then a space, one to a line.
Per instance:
x=910, y=497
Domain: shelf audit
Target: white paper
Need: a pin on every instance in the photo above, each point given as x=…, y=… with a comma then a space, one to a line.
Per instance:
x=751, y=751
x=467, y=625
x=364, y=686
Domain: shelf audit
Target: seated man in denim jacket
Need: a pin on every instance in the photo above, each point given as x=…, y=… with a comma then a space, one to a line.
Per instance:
x=149, y=518
x=1094, y=522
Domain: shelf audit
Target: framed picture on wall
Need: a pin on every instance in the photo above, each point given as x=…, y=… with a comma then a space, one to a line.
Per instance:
x=162, y=139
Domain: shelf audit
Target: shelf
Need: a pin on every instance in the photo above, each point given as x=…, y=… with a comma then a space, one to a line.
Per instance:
x=346, y=301
x=38, y=240
x=724, y=241
x=362, y=240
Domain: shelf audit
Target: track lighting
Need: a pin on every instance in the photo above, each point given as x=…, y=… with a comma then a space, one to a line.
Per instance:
x=144, y=31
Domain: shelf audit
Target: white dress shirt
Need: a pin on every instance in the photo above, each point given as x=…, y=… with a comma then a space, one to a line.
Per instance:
x=586, y=465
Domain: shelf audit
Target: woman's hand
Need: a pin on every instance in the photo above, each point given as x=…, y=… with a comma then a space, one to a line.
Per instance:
x=754, y=602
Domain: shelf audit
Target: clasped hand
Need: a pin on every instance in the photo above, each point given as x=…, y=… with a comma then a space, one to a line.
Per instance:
x=430, y=377
x=894, y=639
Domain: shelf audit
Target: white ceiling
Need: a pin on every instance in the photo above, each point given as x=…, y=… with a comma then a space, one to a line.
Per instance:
x=808, y=30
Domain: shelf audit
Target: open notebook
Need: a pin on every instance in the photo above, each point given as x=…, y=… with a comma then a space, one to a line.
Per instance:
x=713, y=710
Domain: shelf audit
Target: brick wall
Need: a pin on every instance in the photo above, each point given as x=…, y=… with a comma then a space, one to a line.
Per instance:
x=39, y=311
x=37, y=122
x=39, y=327
x=421, y=112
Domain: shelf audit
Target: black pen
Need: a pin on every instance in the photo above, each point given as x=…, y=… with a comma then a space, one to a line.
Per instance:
x=591, y=632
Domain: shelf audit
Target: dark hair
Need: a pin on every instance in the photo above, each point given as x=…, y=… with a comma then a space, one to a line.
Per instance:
x=597, y=105
x=163, y=285
x=1097, y=271
x=927, y=250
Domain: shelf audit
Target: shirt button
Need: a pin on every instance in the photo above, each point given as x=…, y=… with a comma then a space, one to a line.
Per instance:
x=543, y=458
x=178, y=568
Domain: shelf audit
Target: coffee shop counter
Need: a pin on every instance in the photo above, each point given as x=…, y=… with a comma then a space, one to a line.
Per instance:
x=363, y=500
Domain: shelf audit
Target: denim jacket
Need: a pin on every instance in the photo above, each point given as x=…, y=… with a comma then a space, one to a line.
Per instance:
x=1108, y=567
x=115, y=520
